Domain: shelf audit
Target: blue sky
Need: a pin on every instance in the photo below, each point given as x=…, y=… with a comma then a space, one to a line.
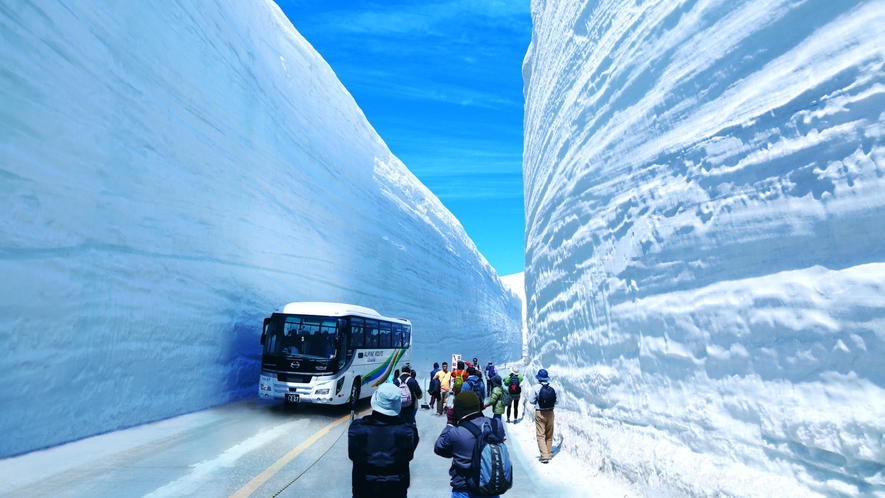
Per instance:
x=441, y=82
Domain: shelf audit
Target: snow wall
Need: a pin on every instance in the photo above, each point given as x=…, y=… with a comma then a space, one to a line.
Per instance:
x=705, y=246
x=171, y=173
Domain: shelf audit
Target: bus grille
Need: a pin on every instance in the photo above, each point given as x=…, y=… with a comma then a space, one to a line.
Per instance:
x=300, y=379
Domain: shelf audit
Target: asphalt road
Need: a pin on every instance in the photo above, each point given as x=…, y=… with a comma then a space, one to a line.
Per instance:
x=250, y=448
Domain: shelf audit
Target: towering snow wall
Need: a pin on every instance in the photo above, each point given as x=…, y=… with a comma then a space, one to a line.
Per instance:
x=170, y=174
x=706, y=239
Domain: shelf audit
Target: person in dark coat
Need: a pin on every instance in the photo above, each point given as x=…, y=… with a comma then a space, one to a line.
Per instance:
x=407, y=413
x=456, y=442
x=381, y=446
x=433, y=397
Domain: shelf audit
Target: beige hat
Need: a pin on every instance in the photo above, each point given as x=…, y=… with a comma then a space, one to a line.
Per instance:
x=514, y=370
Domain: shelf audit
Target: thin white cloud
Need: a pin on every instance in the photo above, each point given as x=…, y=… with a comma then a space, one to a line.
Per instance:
x=434, y=18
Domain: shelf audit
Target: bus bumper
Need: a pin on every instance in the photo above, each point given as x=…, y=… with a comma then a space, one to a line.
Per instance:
x=317, y=391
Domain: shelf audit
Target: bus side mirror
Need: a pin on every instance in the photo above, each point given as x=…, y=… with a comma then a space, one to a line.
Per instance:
x=264, y=330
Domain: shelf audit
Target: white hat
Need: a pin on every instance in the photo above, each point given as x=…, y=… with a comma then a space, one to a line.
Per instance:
x=386, y=400
x=514, y=370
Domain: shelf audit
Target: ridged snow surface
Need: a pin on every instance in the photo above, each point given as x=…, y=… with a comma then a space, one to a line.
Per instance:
x=706, y=239
x=170, y=174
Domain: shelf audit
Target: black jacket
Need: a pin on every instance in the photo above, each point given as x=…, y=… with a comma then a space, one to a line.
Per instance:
x=381, y=448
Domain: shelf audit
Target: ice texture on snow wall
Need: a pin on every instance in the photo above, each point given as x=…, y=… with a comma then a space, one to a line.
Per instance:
x=705, y=209
x=170, y=174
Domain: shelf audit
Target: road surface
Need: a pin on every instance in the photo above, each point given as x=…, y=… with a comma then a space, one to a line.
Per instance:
x=249, y=448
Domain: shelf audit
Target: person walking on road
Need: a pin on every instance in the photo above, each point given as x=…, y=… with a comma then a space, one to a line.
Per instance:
x=410, y=401
x=495, y=399
x=514, y=388
x=474, y=383
x=544, y=399
x=490, y=372
x=445, y=380
x=381, y=446
x=459, y=375
x=481, y=374
x=432, y=392
x=456, y=441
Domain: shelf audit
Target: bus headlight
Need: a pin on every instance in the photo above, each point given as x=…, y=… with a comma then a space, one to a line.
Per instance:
x=265, y=387
x=322, y=392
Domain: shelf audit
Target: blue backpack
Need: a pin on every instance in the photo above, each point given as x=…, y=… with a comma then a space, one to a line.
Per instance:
x=490, y=371
x=491, y=472
x=477, y=386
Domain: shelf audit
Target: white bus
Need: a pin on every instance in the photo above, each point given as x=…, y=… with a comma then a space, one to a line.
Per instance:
x=330, y=353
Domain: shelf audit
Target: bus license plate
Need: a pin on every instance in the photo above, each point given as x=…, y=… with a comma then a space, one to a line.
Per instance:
x=292, y=398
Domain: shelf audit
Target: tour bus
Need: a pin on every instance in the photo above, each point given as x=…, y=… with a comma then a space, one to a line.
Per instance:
x=330, y=353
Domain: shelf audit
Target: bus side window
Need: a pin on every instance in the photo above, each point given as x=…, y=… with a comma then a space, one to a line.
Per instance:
x=356, y=337
x=385, y=335
x=407, y=335
x=356, y=333
x=371, y=334
x=397, y=337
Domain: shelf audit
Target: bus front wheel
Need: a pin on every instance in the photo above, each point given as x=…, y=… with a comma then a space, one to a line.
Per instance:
x=355, y=393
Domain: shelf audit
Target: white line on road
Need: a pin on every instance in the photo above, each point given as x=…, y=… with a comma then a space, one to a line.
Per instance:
x=261, y=478
x=202, y=472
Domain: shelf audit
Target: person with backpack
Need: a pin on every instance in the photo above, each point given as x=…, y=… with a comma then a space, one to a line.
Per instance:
x=381, y=446
x=480, y=372
x=459, y=375
x=490, y=372
x=475, y=443
x=514, y=390
x=497, y=398
x=544, y=399
x=475, y=384
x=410, y=393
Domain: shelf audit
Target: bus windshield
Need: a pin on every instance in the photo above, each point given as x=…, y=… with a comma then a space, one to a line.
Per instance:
x=302, y=336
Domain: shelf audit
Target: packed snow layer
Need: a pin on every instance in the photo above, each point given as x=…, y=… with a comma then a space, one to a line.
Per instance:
x=516, y=283
x=171, y=174
x=705, y=271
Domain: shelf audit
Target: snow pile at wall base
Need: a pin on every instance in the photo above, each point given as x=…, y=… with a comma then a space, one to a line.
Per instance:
x=705, y=198
x=171, y=174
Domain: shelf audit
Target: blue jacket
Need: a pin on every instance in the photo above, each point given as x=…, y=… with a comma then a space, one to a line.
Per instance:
x=475, y=384
x=457, y=443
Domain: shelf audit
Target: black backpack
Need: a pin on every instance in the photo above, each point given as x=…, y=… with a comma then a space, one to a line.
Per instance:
x=434, y=386
x=491, y=472
x=514, y=386
x=546, y=397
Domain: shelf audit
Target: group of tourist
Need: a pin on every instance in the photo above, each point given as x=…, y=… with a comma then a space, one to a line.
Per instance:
x=467, y=376
x=382, y=444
